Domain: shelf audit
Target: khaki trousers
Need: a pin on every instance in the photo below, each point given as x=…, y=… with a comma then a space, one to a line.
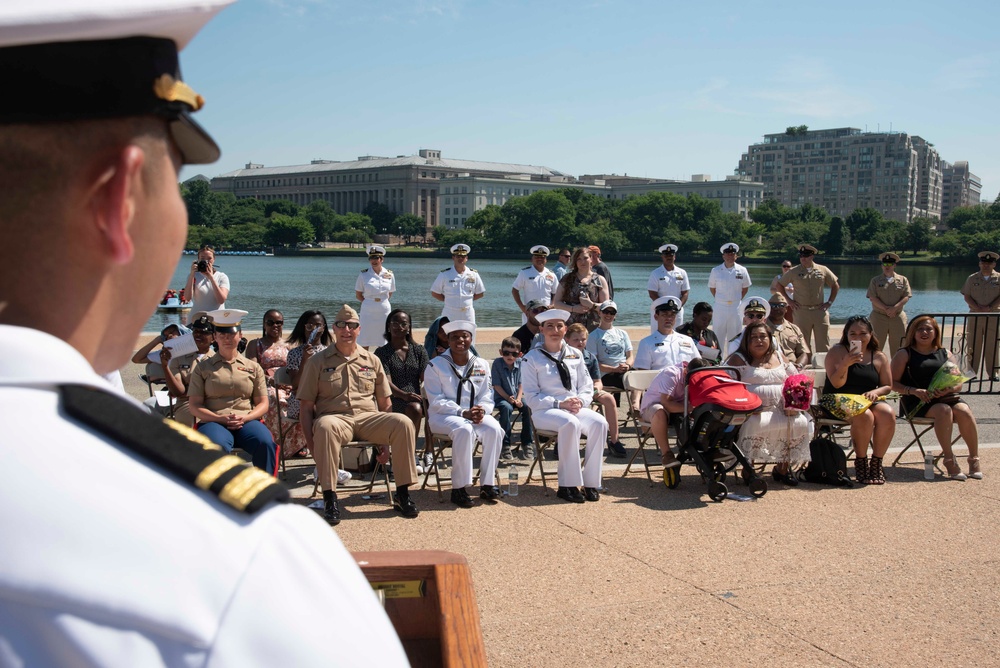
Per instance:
x=981, y=343
x=814, y=323
x=331, y=432
x=888, y=329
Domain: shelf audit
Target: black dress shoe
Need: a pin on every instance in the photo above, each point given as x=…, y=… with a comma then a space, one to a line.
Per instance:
x=461, y=498
x=571, y=494
x=489, y=493
x=404, y=504
x=785, y=478
x=331, y=511
x=591, y=494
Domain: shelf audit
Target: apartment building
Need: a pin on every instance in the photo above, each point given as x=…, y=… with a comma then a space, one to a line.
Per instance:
x=960, y=187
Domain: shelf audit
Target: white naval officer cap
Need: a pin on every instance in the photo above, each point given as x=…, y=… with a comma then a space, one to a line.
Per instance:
x=552, y=314
x=65, y=60
x=730, y=248
x=459, y=326
x=376, y=251
x=668, y=248
x=670, y=304
x=460, y=249
x=227, y=319
x=540, y=250
x=755, y=304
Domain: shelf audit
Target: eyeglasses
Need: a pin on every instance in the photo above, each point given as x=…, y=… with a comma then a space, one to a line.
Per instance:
x=925, y=330
x=343, y=324
x=781, y=305
x=888, y=264
x=754, y=316
x=760, y=337
x=565, y=255
x=274, y=322
x=536, y=311
x=786, y=266
x=508, y=353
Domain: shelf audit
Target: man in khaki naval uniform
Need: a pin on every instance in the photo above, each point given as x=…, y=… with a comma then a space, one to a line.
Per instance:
x=790, y=338
x=344, y=394
x=812, y=314
x=982, y=294
x=888, y=294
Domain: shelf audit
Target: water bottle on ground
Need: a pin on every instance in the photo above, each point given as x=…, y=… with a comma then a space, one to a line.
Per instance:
x=928, y=465
x=512, y=480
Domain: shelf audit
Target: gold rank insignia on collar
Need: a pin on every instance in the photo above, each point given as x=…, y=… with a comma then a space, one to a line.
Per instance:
x=178, y=449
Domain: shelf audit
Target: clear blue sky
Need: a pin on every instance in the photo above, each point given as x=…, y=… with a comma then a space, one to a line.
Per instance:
x=659, y=89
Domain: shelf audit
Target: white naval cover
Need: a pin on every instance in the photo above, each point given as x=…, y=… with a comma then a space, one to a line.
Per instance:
x=109, y=562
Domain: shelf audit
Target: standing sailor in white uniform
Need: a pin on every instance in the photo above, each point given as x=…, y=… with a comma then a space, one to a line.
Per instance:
x=147, y=545
x=535, y=283
x=668, y=280
x=558, y=390
x=373, y=289
x=729, y=283
x=458, y=286
x=460, y=390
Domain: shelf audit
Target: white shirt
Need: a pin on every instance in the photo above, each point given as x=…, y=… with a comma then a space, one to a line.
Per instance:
x=543, y=389
x=203, y=298
x=375, y=286
x=459, y=290
x=441, y=385
x=534, y=284
x=668, y=283
x=729, y=283
x=113, y=562
x=657, y=351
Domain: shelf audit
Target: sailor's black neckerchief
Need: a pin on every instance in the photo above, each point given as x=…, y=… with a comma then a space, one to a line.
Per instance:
x=564, y=376
x=463, y=379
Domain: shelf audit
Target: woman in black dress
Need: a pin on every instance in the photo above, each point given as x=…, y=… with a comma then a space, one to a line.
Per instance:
x=913, y=367
x=404, y=362
x=857, y=366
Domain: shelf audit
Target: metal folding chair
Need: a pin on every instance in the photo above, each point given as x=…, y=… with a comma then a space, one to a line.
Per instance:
x=640, y=379
x=378, y=468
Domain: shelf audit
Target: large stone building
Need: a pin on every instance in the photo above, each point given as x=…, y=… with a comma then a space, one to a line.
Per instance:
x=446, y=192
x=960, y=187
x=844, y=169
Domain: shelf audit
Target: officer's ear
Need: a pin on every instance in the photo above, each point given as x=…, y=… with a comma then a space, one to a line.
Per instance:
x=112, y=201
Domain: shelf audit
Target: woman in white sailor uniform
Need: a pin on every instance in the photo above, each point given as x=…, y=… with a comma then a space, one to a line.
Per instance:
x=460, y=391
x=458, y=286
x=558, y=389
x=373, y=289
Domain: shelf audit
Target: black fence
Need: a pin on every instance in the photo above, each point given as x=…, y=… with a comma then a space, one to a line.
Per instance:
x=973, y=340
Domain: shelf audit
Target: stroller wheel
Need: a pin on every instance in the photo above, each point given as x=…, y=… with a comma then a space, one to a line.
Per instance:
x=758, y=487
x=720, y=472
x=671, y=477
x=717, y=491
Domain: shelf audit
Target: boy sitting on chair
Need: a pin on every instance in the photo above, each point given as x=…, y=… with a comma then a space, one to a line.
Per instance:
x=508, y=394
x=662, y=405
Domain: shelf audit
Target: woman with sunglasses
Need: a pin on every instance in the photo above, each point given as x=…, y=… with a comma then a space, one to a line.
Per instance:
x=373, y=289
x=786, y=266
x=856, y=365
x=913, y=367
x=270, y=351
x=888, y=294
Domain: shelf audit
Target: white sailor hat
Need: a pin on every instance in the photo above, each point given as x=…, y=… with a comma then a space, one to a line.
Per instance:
x=65, y=60
x=730, y=248
x=227, y=319
x=755, y=304
x=552, y=314
x=460, y=249
x=459, y=326
x=376, y=250
x=540, y=250
x=668, y=248
x=605, y=305
x=671, y=304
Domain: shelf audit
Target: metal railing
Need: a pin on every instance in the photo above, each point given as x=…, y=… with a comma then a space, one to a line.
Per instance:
x=977, y=350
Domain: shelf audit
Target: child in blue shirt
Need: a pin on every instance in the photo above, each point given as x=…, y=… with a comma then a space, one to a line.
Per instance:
x=507, y=393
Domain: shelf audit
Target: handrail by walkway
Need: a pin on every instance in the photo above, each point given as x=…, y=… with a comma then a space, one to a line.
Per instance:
x=981, y=326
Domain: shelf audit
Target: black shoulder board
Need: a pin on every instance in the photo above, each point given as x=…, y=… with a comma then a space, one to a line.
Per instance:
x=528, y=267
x=364, y=271
x=175, y=447
x=444, y=270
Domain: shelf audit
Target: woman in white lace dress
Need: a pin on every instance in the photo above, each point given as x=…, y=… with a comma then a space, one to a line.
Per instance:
x=773, y=434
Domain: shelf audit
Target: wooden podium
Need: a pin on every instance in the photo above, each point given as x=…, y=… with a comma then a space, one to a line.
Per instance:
x=430, y=600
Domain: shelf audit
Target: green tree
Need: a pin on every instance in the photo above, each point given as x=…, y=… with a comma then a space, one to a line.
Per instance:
x=247, y=236
x=918, y=234
x=322, y=218
x=837, y=237
x=546, y=214
x=644, y=219
x=248, y=210
x=351, y=237
x=205, y=208
x=410, y=225
x=282, y=206
x=381, y=216
x=283, y=230
x=354, y=221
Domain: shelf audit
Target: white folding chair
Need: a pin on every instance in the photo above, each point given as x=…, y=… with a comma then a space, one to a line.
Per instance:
x=640, y=380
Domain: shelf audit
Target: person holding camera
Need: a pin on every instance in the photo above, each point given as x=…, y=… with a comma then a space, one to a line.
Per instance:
x=207, y=287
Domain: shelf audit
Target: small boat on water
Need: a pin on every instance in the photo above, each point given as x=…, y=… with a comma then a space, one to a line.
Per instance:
x=173, y=302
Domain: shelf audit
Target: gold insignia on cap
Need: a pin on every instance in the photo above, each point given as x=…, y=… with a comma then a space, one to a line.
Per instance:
x=170, y=89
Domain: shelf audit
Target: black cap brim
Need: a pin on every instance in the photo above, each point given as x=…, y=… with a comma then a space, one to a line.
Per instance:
x=195, y=144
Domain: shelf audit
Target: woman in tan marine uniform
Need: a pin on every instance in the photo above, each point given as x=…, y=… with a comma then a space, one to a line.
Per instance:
x=888, y=294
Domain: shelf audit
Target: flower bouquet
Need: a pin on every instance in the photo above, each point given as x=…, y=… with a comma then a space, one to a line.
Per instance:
x=797, y=392
x=948, y=376
x=847, y=406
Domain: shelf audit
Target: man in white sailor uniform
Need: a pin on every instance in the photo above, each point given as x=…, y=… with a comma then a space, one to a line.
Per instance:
x=728, y=283
x=665, y=346
x=460, y=391
x=146, y=545
x=534, y=283
x=458, y=286
x=558, y=390
x=668, y=280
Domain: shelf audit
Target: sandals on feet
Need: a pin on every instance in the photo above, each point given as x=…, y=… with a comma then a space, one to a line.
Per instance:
x=975, y=472
x=876, y=476
x=861, y=470
x=953, y=470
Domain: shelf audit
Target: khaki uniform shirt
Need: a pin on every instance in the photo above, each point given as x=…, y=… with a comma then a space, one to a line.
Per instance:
x=344, y=385
x=790, y=338
x=809, y=283
x=983, y=289
x=227, y=388
x=889, y=289
x=183, y=366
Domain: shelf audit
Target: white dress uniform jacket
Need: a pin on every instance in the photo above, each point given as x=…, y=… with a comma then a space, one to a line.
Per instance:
x=375, y=308
x=442, y=381
x=729, y=283
x=658, y=351
x=668, y=284
x=459, y=291
x=544, y=391
x=537, y=285
x=114, y=562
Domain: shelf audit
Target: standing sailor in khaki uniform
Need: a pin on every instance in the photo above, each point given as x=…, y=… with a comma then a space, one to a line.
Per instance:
x=982, y=294
x=812, y=313
x=344, y=394
x=889, y=293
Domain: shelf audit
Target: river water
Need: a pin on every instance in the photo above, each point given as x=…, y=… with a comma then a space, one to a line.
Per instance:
x=296, y=284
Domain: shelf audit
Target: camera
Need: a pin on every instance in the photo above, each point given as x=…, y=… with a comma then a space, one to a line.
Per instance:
x=203, y=266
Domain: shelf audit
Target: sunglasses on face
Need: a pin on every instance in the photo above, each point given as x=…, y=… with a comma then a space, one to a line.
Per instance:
x=986, y=261
x=274, y=322
x=508, y=353
x=610, y=312
x=888, y=264
x=786, y=266
x=781, y=305
x=807, y=254
x=755, y=316
x=343, y=324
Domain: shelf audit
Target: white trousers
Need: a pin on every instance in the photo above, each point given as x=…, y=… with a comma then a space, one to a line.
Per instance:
x=569, y=427
x=463, y=436
x=458, y=313
x=727, y=323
